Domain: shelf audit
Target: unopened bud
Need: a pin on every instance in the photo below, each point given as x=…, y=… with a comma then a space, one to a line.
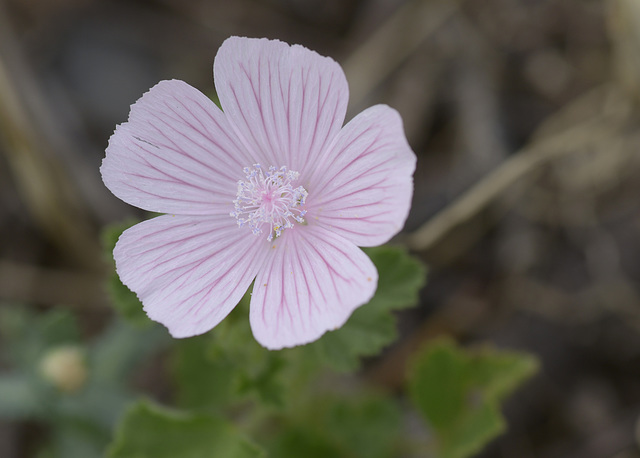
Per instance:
x=65, y=367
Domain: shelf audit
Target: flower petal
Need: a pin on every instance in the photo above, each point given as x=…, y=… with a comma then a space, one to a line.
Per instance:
x=189, y=272
x=175, y=154
x=311, y=283
x=285, y=102
x=363, y=184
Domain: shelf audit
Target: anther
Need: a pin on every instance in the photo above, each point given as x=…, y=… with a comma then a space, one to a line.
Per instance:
x=268, y=199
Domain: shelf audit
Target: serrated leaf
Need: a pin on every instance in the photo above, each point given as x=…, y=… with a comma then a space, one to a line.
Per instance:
x=350, y=427
x=365, y=334
x=401, y=277
x=367, y=426
x=204, y=380
x=459, y=392
x=266, y=381
x=151, y=431
x=514, y=368
x=227, y=365
x=373, y=326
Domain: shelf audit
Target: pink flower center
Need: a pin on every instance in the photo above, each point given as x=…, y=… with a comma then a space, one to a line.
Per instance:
x=269, y=198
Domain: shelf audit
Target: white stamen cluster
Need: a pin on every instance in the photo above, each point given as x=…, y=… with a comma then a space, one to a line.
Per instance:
x=268, y=197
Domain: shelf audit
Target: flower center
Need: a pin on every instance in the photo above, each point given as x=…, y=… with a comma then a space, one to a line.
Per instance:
x=269, y=198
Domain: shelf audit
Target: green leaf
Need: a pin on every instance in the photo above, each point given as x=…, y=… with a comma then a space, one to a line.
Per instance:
x=76, y=437
x=360, y=426
x=365, y=334
x=227, y=365
x=29, y=335
x=459, y=392
x=205, y=377
x=120, y=350
x=366, y=426
x=373, y=326
x=151, y=431
x=401, y=277
x=297, y=441
x=123, y=299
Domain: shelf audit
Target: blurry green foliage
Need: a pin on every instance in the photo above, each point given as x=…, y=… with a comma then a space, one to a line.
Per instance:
x=221, y=371
x=287, y=400
x=354, y=426
x=460, y=393
x=30, y=334
x=81, y=415
x=226, y=366
x=373, y=326
x=151, y=431
x=28, y=337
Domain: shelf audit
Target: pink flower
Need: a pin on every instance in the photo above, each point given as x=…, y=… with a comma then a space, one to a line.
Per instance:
x=273, y=189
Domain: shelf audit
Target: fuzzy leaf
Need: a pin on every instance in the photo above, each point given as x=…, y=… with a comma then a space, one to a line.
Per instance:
x=151, y=431
x=459, y=392
x=401, y=278
x=205, y=378
x=373, y=326
x=352, y=427
x=227, y=365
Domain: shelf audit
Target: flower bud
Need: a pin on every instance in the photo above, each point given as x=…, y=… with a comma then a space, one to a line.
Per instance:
x=65, y=367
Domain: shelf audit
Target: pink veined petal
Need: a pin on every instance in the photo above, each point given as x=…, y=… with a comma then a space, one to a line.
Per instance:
x=188, y=271
x=311, y=283
x=285, y=102
x=175, y=154
x=362, y=186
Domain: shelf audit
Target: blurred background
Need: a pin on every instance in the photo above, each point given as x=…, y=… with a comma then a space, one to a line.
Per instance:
x=524, y=114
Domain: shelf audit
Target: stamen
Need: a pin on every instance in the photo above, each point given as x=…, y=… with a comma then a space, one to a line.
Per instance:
x=269, y=198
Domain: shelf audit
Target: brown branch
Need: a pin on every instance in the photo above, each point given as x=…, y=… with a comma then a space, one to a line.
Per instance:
x=516, y=170
x=392, y=43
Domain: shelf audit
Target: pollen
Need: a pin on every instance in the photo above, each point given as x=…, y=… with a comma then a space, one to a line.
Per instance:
x=267, y=200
